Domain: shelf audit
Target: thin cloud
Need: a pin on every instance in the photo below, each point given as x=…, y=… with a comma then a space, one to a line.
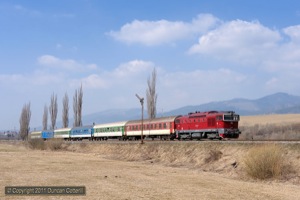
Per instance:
x=126, y=74
x=293, y=32
x=133, y=67
x=26, y=11
x=65, y=64
x=152, y=33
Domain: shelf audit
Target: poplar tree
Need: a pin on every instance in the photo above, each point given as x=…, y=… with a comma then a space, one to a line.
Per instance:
x=65, y=111
x=24, y=121
x=151, y=95
x=45, y=117
x=53, y=110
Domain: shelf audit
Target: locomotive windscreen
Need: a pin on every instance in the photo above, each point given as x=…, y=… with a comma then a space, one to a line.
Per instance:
x=231, y=117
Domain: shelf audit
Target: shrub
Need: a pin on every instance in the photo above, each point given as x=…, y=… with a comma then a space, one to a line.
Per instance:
x=213, y=155
x=37, y=144
x=55, y=144
x=264, y=162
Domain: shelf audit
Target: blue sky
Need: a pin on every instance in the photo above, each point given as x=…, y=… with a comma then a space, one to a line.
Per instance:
x=202, y=50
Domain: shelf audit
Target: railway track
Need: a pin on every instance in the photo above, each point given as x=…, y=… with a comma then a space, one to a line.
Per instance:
x=115, y=141
x=111, y=141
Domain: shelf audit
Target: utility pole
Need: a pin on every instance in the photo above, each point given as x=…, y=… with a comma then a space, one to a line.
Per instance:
x=142, y=103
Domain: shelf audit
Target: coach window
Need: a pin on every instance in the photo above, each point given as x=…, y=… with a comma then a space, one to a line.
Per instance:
x=159, y=126
x=165, y=125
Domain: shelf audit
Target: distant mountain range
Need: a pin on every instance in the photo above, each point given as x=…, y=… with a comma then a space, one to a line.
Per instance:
x=278, y=103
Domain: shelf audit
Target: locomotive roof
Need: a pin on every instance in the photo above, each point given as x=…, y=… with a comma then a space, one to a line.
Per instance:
x=198, y=113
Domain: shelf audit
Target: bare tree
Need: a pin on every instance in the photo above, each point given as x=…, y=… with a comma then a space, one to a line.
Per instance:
x=151, y=95
x=24, y=121
x=53, y=110
x=77, y=106
x=79, y=109
x=65, y=111
x=45, y=117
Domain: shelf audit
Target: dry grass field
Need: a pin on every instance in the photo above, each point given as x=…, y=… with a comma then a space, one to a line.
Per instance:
x=278, y=119
x=270, y=127
x=169, y=170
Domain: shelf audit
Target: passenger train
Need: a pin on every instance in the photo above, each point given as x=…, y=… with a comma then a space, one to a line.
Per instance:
x=196, y=125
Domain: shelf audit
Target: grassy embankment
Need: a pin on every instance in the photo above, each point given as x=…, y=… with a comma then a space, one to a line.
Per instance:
x=238, y=160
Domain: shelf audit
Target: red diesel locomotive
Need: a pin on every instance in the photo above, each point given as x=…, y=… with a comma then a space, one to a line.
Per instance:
x=211, y=125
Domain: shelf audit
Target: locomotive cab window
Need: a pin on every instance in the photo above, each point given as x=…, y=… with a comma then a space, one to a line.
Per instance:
x=231, y=117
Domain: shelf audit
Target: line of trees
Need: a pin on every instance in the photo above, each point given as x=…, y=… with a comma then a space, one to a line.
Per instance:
x=53, y=109
x=77, y=108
